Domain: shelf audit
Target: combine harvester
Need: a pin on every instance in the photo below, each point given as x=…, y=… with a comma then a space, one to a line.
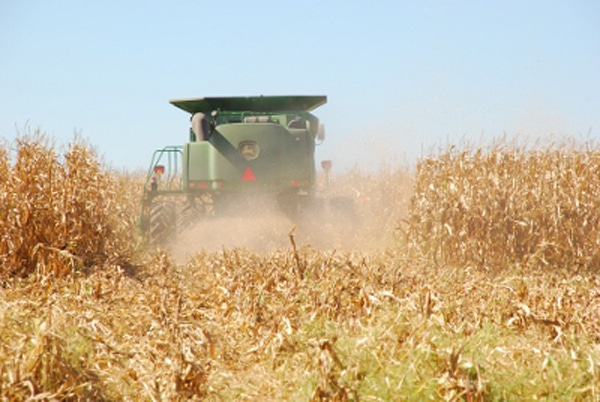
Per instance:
x=241, y=152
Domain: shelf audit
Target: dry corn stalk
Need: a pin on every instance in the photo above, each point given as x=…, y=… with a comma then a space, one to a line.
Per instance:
x=59, y=213
x=509, y=206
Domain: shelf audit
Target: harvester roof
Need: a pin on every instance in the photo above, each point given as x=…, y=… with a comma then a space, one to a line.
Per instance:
x=251, y=104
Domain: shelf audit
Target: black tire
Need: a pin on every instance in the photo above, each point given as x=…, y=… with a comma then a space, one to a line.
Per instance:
x=195, y=209
x=162, y=223
x=293, y=205
x=189, y=215
x=289, y=204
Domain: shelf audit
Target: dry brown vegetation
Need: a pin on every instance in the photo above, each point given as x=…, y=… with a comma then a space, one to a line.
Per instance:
x=452, y=310
x=59, y=214
x=509, y=206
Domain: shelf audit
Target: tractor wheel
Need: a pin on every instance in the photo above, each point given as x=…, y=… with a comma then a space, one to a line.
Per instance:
x=206, y=205
x=195, y=209
x=292, y=204
x=161, y=223
x=288, y=204
x=190, y=214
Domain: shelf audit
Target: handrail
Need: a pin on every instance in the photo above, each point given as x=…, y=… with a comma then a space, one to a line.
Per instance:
x=173, y=155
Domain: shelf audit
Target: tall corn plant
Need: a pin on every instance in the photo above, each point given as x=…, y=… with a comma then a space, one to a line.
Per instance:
x=57, y=214
x=509, y=206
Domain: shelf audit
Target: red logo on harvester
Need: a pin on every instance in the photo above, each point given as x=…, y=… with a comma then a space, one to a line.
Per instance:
x=248, y=175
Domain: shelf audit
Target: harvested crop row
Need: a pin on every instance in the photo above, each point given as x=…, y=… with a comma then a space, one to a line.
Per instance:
x=305, y=325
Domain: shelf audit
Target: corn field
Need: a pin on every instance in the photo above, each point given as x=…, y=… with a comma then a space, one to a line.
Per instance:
x=483, y=287
x=509, y=206
x=60, y=214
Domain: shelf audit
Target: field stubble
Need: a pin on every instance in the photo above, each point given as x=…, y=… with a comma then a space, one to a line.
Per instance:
x=416, y=316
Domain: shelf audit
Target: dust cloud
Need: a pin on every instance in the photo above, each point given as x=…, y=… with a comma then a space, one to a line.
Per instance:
x=359, y=217
x=264, y=231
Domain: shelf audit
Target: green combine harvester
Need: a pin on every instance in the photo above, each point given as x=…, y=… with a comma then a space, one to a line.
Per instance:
x=241, y=151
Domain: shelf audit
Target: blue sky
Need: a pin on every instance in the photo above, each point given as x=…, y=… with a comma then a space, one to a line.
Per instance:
x=402, y=77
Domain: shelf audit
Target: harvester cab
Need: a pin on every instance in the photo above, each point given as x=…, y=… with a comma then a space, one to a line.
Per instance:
x=239, y=148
